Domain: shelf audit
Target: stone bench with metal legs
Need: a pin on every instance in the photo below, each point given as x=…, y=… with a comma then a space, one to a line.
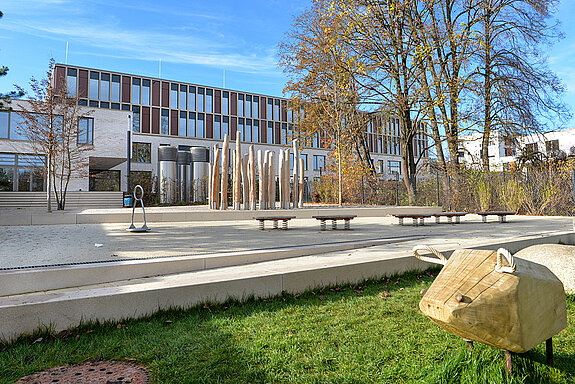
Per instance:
x=334, y=218
x=502, y=215
x=418, y=219
x=275, y=219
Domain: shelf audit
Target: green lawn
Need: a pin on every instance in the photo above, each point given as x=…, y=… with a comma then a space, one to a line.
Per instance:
x=347, y=334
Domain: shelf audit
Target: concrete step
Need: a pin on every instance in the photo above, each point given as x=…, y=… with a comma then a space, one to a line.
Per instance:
x=64, y=308
x=74, y=200
x=189, y=214
x=20, y=280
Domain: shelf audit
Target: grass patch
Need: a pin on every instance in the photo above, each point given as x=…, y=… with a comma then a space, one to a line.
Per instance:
x=346, y=334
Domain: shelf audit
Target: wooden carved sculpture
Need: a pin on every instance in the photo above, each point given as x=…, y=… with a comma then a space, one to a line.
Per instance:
x=513, y=306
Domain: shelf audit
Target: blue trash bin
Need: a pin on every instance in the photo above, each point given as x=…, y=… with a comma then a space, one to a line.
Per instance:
x=128, y=200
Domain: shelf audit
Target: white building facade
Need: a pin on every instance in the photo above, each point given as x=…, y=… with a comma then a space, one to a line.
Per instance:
x=504, y=151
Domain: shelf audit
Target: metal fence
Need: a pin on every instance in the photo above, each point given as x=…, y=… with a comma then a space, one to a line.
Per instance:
x=544, y=191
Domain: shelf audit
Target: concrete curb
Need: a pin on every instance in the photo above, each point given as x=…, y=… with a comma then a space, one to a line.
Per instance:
x=158, y=215
x=21, y=281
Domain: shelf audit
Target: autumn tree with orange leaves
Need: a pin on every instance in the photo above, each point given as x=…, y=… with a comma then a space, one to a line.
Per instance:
x=362, y=52
x=322, y=88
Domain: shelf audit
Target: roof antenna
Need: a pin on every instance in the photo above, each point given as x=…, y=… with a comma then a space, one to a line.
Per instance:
x=160, y=69
x=224, y=82
x=66, y=53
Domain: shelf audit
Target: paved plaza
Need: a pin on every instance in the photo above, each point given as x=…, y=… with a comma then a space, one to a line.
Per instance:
x=55, y=244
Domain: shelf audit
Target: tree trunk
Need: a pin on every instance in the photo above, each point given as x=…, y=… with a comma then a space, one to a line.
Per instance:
x=487, y=92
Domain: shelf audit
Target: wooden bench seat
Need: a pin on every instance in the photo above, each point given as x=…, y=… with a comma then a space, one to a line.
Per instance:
x=275, y=219
x=450, y=216
x=418, y=218
x=334, y=218
x=502, y=215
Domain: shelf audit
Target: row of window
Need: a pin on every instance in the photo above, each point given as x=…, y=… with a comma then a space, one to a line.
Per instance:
x=105, y=91
x=393, y=167
x=551, y=146
x=13, y=126
x=192, y=124
x=142, y=153
x=21, y=172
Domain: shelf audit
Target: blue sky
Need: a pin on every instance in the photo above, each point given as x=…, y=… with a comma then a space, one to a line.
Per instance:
x=195, y=40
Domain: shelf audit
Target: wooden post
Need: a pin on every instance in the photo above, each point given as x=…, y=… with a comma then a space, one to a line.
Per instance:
x=301, y=176
x=245, y=180
x=252, y=177
x=272, y=180
x=216, y=178
x=225, y=169
x=265, y=179
x=281, y=178
x=295, y=173
x=210, y=197
x=508, y=362
x=238, y=171
x=261, y=177
x=549, y=351
x=287, y=195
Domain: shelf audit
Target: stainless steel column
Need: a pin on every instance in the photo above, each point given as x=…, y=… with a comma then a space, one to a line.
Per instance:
x=167, y=157
x=183, y=162
x=200, y=171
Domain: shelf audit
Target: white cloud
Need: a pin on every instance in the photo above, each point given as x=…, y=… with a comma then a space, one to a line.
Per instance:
x=183, y=47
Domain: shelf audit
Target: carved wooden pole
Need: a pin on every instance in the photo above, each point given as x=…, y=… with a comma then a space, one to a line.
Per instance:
x=252, y=175
x=301, y=176
x=210, y=197
x=238, y=171
x=245, y=180
x=281, y=184
x=286, y=179
x=261, y=181
x=216, y=178
x=272, y=180
x=295, y=173
x=225, y=168
x=266, y=172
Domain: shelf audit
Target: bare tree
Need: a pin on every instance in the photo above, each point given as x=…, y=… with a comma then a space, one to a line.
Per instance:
x=50, y=124
x=516, y=92
x=446, y=33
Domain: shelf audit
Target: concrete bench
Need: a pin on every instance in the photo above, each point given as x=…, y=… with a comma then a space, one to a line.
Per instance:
x=418, y=218
x=334, y=218
x=450, y=216
x=501, y=215
x=275, y=219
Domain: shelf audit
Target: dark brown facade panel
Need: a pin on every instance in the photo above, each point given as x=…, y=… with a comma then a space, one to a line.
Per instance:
x=155, y=120
x=234, y=103
x=209, y=126
x=82, y=83
x=218, y=101
x=126, y=80
x=277, y=133
x=145, y=120
x=284, y=110
x=165, y=94
x=233, y=127
x=60, y=79
x=174, y=123
x=155, y=93
x=263, y=109
x=263, y=132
